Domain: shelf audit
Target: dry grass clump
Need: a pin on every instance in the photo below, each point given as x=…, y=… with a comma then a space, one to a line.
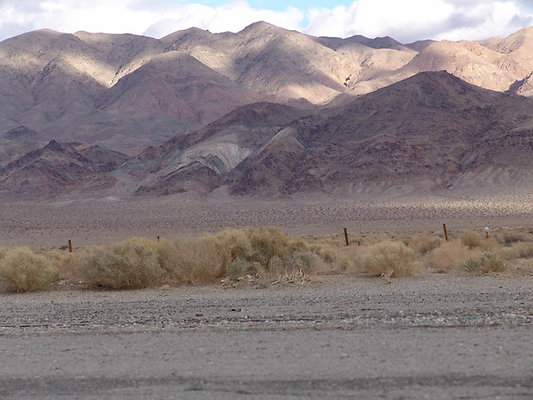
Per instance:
x=423, y=244
x=450, y=255
x=471, y=239
x=21, y=270
x=487, y=262
x=132, y=264
x=526, y=251
x=3, y=252
x=330, y=256
x=189, y=260
x=234, y=253
x=390, y=259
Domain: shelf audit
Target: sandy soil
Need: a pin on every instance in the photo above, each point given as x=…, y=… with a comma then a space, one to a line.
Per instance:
x=437, y=337
x=93, y=221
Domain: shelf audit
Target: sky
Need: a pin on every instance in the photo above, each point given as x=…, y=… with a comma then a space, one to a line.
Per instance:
x=404, y=20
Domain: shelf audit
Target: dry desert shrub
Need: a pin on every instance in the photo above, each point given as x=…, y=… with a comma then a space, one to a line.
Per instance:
x=471, y=239
x=232, y=252
x=526, y=251
x=3, y=252
x=331, y=256
x=390, y=259
x=132, y=264
x=509, y=238
x=21, y=270
x=450, y=255
x=487, y=262
x=423, y=244
x=189, y=260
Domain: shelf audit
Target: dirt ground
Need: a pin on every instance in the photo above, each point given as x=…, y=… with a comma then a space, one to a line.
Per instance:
x=347, y=336
x=435, y=337
x=95, y=221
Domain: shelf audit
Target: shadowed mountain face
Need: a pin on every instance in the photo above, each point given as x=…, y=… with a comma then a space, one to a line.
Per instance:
x=201, y=161
x=264, y=110
x=429, y=133
x=59, y=168
x=128, y=92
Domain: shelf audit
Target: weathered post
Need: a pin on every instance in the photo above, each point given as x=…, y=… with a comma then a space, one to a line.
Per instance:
x=346, y=237
x=445, y=232
x=70, y=246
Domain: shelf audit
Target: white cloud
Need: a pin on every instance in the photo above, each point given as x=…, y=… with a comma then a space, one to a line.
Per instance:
x=410, y=20
x=405, y=20
x=231, y=17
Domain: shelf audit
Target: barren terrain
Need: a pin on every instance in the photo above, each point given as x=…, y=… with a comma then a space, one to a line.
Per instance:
x=433, y=337
x=96, y=221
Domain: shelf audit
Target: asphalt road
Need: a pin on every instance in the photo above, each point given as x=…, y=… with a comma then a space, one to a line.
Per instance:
x=437, y=337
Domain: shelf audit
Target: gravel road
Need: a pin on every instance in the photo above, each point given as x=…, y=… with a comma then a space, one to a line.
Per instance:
x=435, y=337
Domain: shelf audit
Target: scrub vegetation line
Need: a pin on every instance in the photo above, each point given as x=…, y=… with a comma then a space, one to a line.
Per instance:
x=262, y=257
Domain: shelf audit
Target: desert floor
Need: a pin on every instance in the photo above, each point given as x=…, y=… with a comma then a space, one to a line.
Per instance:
x=346, y=336
x=435, y=337
x=96, y=221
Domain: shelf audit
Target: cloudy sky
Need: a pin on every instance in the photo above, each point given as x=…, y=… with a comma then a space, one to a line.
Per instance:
x=405, y=20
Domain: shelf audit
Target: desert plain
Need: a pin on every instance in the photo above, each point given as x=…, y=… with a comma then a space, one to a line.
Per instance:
x=349, y=335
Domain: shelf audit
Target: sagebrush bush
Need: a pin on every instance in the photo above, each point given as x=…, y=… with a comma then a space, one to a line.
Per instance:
x=235, y=253
x=450, y=256
x=3, y=252
x=21, y=270
x=390, y=258
x=526, y=251
x=509, y=238
x=132, y=264
x=486, y=263
x=423, y=244
x=472, y=240
x=193, y=260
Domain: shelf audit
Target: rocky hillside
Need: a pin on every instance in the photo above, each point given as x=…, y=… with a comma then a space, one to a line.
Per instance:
x=432, y=132
x=56, y=169
x=128, y=92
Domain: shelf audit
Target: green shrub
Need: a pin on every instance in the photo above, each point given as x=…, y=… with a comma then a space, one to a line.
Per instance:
x=21, y=270
x=132, y=264
x=390, y=258
x=486, y=263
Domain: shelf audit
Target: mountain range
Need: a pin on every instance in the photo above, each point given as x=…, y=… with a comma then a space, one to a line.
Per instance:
x=264, y=111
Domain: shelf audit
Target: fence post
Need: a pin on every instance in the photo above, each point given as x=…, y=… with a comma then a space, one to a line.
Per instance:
x=445, y=232
x=346, y=237
x=70, y=246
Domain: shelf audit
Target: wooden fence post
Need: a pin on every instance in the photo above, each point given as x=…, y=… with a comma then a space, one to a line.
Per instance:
x=445, y=232
x=346, y=237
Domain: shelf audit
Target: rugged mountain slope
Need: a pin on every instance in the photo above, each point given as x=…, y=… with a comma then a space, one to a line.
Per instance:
x=17, y=142
x=59, y=168
x=128, y=92
x=201, y=160
x=430, y=132
x=177, y=85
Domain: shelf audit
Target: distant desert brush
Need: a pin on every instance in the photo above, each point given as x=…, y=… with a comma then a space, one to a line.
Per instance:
x=423, y=244
x=474, y=240
x=450, y=255
x=485, y=263
x=192, y=260
x=21, y=270
x=390, y=259
x=132, y=264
